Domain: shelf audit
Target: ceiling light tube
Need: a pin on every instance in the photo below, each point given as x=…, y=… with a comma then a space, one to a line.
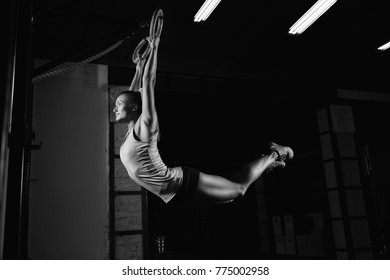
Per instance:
x=309, y=17
x=317, y=10
x=206, y=9
x=384, y=47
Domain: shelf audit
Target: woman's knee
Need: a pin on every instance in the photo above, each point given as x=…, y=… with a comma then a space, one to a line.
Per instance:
x=241, y=190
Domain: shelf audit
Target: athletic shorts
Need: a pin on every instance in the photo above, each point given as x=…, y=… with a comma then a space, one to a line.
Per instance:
x=188, y=186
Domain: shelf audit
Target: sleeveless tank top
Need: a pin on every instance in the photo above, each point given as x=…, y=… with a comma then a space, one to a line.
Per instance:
x=145, y=166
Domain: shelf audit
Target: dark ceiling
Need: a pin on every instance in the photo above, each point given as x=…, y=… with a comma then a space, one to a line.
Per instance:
x=241, y=39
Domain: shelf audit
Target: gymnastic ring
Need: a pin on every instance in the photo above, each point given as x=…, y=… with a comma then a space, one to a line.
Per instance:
x=157, y=19
x=138, y=48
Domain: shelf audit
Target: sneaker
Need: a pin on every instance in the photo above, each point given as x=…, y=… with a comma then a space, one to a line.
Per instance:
x=275, y=164
x=284, y=153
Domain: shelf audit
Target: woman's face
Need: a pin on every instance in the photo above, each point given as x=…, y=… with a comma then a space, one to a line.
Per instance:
x=123, y=108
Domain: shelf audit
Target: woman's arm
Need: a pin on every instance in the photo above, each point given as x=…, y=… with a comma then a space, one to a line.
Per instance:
x=149, y=113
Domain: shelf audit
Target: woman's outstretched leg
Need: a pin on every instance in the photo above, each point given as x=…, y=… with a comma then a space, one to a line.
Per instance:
x=217, y=189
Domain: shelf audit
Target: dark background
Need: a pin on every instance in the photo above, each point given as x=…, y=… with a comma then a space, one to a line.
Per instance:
x=228, y=86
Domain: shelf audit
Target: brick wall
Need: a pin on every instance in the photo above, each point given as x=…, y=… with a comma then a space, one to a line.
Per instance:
x=128, y=247
x=128, y=212
x=122, y=179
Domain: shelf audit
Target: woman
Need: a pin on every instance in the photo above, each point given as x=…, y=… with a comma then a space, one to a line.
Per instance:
x=140, y=156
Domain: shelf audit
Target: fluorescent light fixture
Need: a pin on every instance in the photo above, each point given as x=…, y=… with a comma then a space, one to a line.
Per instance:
x=206, y=9
x=317, y=10
x=384, y=47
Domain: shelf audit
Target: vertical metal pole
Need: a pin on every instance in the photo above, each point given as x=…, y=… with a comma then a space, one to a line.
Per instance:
x=7, y=66
x=16, y=223
x=111, y=196
x=145, y=225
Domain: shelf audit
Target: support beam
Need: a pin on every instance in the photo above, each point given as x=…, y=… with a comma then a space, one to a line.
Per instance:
x=16, y=223
x=100, y=44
